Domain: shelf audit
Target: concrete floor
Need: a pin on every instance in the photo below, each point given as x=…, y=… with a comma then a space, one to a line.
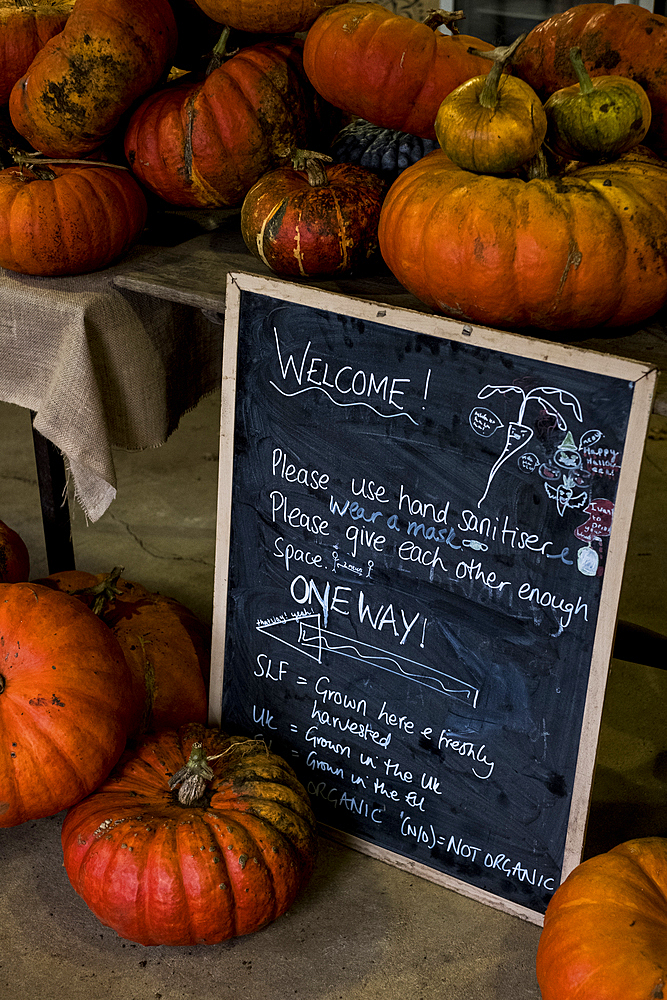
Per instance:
x=362, y=930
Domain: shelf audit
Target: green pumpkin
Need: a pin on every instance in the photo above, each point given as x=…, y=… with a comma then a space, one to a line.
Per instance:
x=598, y=118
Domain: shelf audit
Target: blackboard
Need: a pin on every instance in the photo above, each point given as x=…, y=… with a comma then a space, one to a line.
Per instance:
x=421, y=535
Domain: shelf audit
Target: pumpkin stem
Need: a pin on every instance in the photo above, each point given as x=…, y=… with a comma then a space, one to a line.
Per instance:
x=34, y=162
x=104, y=591
x=435, y=18
x=220, y=53
x=500, y=56
x=314, y=165
x=585, y=82
x=191, y=780
x=537, y=168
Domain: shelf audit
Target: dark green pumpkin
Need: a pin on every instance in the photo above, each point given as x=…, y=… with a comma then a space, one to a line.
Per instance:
x=385, y=151
x=597, y=118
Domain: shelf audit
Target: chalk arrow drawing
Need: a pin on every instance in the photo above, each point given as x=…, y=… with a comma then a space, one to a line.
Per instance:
x=307, y=636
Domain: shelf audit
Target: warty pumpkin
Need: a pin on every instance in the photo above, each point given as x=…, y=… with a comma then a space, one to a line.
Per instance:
x=166, y=646
x=585, y=248
x=616, y=39
x=320, y=220
x=64, y=702
x=605, y=928
x=282, y=17
x=196, y=837
x=14, y=556
x=386, y=68
x=598, y=118
x=492, y=124
x=25, y=27
x=78, y=86
x=205, y=144
x=60, y=219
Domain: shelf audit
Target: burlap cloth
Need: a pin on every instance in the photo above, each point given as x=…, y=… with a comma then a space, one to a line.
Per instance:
x=102, y=367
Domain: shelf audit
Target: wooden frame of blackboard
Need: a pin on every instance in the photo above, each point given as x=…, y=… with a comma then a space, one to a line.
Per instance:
x=642, y=379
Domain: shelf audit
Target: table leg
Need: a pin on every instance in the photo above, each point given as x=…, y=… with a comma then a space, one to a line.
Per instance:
x=52, y=483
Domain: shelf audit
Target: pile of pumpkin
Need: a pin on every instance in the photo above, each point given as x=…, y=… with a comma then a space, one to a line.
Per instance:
x=323, y=121
x=175, y=833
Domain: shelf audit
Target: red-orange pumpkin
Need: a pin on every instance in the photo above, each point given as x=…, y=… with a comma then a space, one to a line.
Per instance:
x=25, y=27
x=272, y=16
x=206, y=144
x=166, y=646
x=225, y=863
x=67, y=219
x=385, y=68
x=605, y=928
x=14, y=556
x=620, y=39
x=64, y=701
x=306, y=222
x=78, y=86
x=585, y=248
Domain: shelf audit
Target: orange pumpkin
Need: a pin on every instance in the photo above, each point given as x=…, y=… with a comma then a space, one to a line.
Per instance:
x=388, y=69
x=206, y=144
x=272, y=16
x=25, y=27
x=110, y=53
x=315, y=221
x=14, y=556
x=165, y=645
x=178, y=849
x=67, y=219
x=64, y=702
x=605, y=928
x=584, y=248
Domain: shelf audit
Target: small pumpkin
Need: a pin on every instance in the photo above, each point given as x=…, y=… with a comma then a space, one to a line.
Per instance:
x=75, y=91
x=14, y=556
x=623, y=39
x=583, y=248
x=386, y=151
x=320, y=220
x=166, y=646
x=196, y=837
x=205, y=144
x=598, y=118
x=283, y=17
x=60, y=219
x=25, y=27
x=492, y=124
x=605, y=928
x=64, y=702
x=386, y=68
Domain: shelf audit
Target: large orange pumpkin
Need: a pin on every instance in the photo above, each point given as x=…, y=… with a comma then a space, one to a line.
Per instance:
x=605, y=928
x=584, y=248
x=25, y=27
x=620, y=39
x=67, y=219
x=166, y=646
x=205, y=144
x=224, y=859
x=65, y=706
x=385, y=68
x=78, y=86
